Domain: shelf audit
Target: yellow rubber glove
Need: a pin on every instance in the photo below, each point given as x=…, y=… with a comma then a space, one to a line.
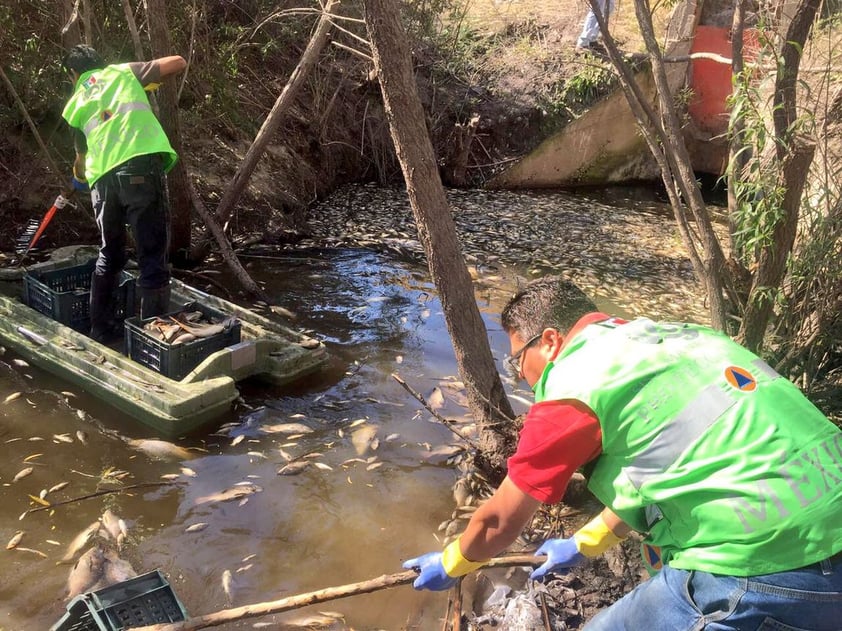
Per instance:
x=595, y=537
x=455, y=564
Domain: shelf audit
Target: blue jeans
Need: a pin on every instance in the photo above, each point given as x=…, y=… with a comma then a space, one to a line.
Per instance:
x=807, y=599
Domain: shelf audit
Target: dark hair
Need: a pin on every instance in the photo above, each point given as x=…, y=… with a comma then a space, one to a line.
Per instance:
x=548, y=302
x=81, y=58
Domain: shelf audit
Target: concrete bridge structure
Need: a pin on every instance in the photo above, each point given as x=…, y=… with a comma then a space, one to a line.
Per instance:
x=604, y=145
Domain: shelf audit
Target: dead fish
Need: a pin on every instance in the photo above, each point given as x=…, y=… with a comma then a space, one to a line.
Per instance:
x=32, y=550
x=170, y=476
x=82, y=437
x=32, y=457
x=114, y=526
x=22, y=474
x=228, y=585
x=87, y=574
x=117, y=569
x=199, y=527
x=237, y=440
x=63, y=438
x=11, y=397
x=20, y=362
x=57, y=487
x=15, y=540
x=188, y=472
x=233, y=493
x=435, y=399
x=362, y=438
x=286, y=428
x=323, y=466
x=160, y=449
x=80, y=541
x=294, y=468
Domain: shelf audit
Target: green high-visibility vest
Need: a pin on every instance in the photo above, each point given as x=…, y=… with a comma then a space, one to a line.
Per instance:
x=110, y=106
x=723, y=462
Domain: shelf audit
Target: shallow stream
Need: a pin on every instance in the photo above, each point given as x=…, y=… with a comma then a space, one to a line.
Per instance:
x=379, y=483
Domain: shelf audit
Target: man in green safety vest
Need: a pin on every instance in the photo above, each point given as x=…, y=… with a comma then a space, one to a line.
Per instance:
x=731, y=475
x=122, y=154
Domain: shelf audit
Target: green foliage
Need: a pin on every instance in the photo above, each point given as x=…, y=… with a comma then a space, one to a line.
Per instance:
x=585, y=87
x=758, y=193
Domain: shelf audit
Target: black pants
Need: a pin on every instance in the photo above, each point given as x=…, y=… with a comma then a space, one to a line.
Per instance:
x=134, y=194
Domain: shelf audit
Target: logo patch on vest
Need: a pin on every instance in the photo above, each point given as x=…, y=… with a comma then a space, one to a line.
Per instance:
x=106, y=114
x=652, y=558
x=89, y=82
x=740, y=378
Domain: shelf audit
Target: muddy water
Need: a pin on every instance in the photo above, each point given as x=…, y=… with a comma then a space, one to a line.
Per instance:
x=354, y=513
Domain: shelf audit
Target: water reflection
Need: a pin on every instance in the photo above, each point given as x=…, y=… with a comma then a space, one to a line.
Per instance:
x=357, y=510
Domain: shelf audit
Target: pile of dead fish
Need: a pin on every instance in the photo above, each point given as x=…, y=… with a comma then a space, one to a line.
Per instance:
x=185, y=326
x=632, y=255
x=94, y=553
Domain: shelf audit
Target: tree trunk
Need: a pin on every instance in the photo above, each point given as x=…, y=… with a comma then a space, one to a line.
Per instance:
x=177, y=181
x=794, y=156
x=437, y=230
x=663, y=135
x=737, y=157
x=70, y=32
x=132, y=24
x=273, y=121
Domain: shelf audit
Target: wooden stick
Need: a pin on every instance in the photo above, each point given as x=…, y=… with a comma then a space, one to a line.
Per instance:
x=323, y=595
x=143, y=485
x=456, y=619
x=447, y=422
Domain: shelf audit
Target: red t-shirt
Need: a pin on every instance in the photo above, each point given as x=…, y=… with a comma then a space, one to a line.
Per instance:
x=557, y=438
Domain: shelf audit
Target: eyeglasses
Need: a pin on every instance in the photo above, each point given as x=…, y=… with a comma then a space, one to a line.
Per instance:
x=515, y=360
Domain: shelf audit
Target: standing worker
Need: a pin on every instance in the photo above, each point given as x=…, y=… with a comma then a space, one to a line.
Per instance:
x=590, y=28
x=733, y=477
x=122, y=153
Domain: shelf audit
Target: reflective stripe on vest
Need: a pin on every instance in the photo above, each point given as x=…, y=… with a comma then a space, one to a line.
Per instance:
x=107, y=115
x=679, y=433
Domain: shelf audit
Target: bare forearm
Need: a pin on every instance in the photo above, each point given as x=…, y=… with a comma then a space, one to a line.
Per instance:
x=615, y=524
x=496, y=524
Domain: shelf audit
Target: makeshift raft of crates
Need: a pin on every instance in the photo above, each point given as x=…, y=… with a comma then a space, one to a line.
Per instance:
x=173, y=388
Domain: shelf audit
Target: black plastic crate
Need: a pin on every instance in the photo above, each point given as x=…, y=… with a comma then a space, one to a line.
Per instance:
x=140, y=601
x=177, y=360
x=64, y=294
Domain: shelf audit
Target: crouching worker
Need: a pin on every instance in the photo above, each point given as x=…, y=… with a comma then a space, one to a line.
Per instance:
x=722, y=464
x=122, y=153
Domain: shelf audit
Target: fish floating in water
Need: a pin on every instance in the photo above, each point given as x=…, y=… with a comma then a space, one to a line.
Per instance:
x=160, y=449
x=234, y=493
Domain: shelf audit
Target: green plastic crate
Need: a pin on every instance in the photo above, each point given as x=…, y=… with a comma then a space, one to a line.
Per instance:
x=140, y=601
x=177, y=360
x=64, y=294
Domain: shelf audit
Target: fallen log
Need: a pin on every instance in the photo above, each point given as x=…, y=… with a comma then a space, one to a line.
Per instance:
x=322, y=595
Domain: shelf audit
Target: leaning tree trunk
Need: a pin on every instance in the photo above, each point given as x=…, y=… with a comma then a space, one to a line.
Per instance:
x=437, y=230
x=179, y=194
x=270, y=126
x=662, y=131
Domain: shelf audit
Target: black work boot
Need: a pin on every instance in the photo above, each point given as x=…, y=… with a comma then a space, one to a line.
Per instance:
x=154, y=302
x=102, y=306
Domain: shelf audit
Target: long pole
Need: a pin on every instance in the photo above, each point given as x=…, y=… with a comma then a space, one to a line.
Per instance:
x=330, y=593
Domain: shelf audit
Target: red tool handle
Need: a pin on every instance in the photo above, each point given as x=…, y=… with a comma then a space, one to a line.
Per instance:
x=46, y=220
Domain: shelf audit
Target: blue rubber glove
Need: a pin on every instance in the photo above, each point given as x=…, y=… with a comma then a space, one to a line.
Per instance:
x=561, y=554
x=80, y=185
x=432, y=574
